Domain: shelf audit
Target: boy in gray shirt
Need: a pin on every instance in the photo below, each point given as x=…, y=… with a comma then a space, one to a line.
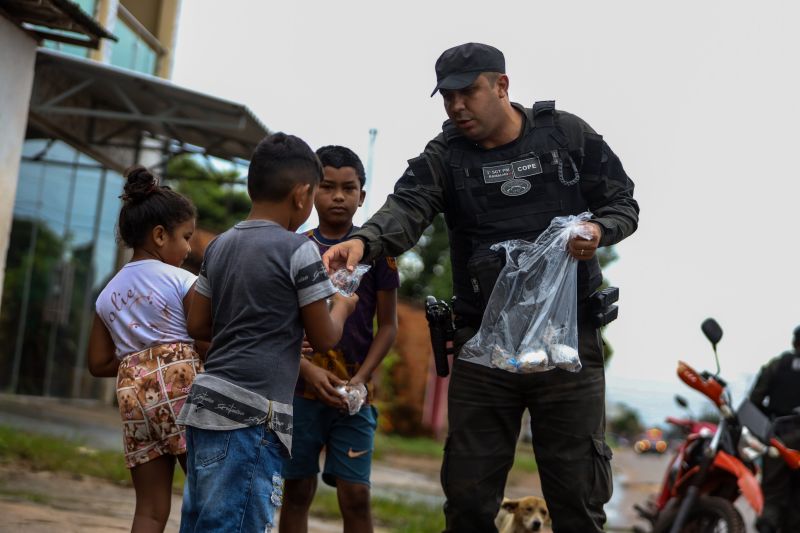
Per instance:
x=259, y=287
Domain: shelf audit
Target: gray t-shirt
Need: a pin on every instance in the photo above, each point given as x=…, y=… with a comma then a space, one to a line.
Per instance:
x=258, y=275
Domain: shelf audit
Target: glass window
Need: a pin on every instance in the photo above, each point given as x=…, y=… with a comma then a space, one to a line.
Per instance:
x=131, y=52
x=62, y=250
x=72, y=49
x=88, y=7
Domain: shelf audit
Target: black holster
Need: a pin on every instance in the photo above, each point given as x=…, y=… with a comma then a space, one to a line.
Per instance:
x=440, y=324
x=602, y=308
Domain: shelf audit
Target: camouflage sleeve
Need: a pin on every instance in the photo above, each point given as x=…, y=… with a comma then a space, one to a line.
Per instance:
x=417, y=198
x=606, y=187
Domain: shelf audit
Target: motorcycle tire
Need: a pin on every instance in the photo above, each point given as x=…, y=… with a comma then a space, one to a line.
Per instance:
x=708, y=513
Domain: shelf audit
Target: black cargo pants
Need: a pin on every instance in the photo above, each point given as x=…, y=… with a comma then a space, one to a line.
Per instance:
x=485, y=408
x=781, y=487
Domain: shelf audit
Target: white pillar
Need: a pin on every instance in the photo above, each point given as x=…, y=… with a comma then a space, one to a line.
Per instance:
x=17, y=62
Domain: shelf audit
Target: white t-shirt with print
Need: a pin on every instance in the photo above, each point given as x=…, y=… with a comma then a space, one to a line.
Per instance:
x=142, y=306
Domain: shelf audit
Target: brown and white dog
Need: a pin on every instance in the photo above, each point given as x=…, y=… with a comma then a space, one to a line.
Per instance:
x=129, y=404
x=179, y=375
x=523, y=515
x=150, y=391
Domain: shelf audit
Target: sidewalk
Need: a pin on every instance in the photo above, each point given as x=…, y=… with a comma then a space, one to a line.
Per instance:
x=90, y=421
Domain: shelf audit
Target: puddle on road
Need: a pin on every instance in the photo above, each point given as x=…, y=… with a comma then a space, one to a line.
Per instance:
x=620, y=515
x=613, y=515
x=636, y=479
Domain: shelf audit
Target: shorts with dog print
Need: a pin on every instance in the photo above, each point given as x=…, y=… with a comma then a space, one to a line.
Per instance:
x=152, y=386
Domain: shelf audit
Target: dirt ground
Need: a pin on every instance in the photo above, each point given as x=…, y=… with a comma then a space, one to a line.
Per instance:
x=46, y=501
x=43, y=502
x=40, y=502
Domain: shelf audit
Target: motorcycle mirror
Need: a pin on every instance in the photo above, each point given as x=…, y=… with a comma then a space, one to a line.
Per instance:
x=713, y=332
x=681, y=401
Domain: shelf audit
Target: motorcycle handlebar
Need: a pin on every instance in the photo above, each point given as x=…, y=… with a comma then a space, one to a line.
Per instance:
x=680, y=422
x=791, y=457
x=709, y=386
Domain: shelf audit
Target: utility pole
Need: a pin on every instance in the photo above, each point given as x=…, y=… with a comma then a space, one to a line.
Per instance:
x=373, y=132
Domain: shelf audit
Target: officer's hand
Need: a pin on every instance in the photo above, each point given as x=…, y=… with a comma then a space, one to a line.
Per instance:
x=345, y=254
x=323, y=383
x=583, y=249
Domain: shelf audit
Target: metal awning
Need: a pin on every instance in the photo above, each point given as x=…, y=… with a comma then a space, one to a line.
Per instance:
x=39, y=17
x=113, y=114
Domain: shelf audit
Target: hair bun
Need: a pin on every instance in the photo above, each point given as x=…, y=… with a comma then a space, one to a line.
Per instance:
x=140, y=183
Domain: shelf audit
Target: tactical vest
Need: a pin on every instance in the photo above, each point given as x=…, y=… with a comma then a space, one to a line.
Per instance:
x=784, y=386
x=512, y=193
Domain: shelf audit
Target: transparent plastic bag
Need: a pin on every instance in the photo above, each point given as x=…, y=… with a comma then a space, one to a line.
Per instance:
x=347, y=282
x=354, y=396
x=531, y=320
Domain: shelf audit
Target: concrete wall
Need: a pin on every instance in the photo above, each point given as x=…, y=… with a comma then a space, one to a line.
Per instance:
x=17, y=59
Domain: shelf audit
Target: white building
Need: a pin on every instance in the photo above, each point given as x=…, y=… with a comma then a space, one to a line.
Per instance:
x=83, y=95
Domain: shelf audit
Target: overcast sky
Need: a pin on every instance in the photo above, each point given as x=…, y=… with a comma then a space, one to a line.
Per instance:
x=699, y=100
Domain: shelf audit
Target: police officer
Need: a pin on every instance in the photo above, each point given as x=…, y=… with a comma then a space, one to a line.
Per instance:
x=777, y=393
x=498, y=171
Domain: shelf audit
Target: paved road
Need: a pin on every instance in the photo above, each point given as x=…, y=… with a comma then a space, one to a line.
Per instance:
x=639, y=477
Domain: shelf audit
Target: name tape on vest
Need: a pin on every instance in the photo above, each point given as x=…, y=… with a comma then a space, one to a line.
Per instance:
x=517, y=169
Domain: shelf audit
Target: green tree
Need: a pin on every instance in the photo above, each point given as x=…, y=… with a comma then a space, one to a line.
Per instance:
x=219, y=195
x=625, y=421
x=35, y=266
x=426, y=269
x=606, y=256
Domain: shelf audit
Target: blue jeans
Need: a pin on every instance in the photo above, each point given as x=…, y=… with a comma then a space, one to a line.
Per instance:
x=233, y=480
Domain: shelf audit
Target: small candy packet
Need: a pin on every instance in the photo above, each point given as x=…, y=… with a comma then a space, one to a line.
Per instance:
x=355, y=396
x=347, y=282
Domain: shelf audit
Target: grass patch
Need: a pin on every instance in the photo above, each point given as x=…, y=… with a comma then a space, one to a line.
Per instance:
x=524, y=461
x=325, y=504
x=403, y=516
x=389, y=445
x=397, y=515
x=56, y=454
x=61, y=455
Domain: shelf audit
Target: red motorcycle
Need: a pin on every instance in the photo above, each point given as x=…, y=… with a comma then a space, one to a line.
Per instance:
x=714, y=465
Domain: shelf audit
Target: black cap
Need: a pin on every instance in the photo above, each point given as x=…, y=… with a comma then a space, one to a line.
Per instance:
x=459, y=66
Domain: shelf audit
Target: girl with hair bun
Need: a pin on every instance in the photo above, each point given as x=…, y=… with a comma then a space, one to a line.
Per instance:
x=139, y=335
